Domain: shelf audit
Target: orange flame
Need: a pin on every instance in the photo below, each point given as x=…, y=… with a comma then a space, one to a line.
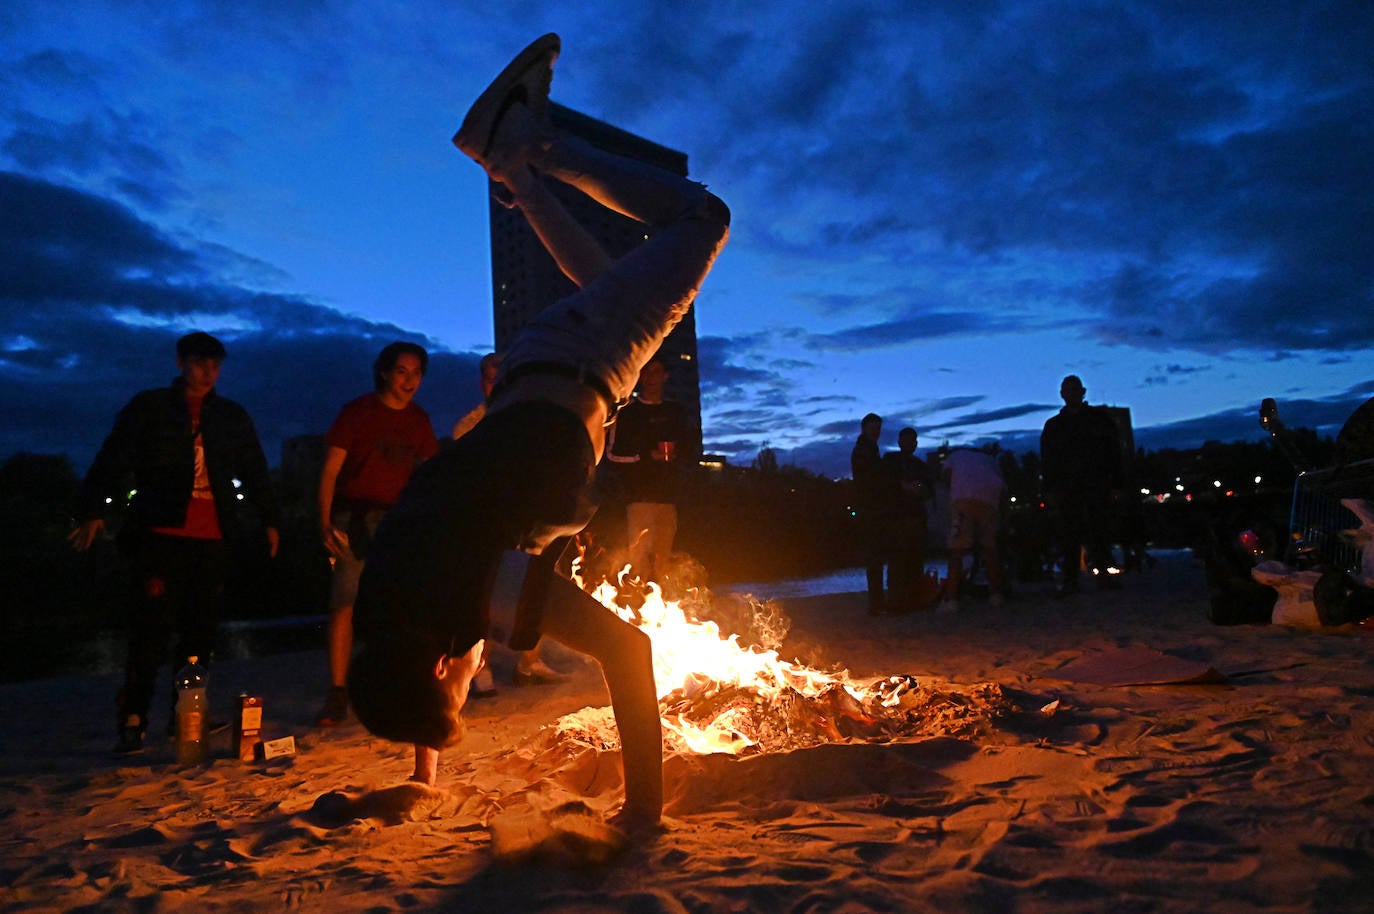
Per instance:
x=693, y=659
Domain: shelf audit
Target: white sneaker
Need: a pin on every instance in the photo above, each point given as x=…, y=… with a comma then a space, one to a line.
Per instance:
x=535, y=672
x=524, y=83
x=483, y=685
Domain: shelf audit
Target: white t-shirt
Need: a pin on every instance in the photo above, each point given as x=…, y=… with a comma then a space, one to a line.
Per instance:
x=974, y=475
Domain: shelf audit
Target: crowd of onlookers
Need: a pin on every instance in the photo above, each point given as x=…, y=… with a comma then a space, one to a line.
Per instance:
x=960, y=495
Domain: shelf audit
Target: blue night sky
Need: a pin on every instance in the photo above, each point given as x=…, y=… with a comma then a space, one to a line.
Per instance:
x=940, y=208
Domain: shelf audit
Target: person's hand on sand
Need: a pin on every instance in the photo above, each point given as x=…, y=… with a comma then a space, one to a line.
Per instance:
x=635, y=822
x=426, y=766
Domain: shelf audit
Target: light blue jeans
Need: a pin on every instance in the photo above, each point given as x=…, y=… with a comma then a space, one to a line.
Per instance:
x=612, y=327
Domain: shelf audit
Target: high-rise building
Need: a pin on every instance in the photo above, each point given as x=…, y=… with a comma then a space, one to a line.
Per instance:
x=524, y=277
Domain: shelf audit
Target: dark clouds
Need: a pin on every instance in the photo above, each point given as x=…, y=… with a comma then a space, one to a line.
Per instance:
x=1183, y=185
x=1223, y=161
x=83, y=134
x=93, y=298
x=927, y=325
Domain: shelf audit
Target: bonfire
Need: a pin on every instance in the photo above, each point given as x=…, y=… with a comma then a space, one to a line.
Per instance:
x=720, y=695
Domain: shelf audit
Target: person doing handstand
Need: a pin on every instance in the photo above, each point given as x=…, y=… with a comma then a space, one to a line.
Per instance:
x=509, y=494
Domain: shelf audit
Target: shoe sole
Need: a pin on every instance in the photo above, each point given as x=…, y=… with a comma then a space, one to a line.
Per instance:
x=532, y=679
x=480, y=124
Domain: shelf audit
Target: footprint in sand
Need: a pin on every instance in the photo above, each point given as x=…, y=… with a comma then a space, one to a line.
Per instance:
x=571, y=834
x=409, y=802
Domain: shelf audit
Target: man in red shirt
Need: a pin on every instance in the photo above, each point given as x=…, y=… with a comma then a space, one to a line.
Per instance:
x=370, y=451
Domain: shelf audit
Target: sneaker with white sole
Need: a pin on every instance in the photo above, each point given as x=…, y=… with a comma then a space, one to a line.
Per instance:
x=535, y=672
x=483, y=685
x=488, y=136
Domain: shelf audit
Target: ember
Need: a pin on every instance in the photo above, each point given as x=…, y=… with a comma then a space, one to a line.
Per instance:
x=717, y=695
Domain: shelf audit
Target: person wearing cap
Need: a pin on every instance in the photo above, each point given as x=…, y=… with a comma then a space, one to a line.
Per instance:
x=184, y=457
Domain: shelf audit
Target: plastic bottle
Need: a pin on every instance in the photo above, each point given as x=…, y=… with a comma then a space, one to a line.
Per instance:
x=193, y=712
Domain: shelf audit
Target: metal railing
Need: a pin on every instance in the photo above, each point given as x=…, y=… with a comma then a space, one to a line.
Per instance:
x=1318, y=519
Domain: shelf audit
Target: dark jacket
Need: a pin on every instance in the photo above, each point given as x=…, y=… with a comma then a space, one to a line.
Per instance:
x=908, y=483
x=1079, y=451
x=151, y=450
x=866, y=466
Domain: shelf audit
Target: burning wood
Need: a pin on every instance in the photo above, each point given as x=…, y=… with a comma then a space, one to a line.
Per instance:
x=717, y=695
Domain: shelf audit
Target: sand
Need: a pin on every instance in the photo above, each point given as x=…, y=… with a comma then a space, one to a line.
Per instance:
x=1251, y=793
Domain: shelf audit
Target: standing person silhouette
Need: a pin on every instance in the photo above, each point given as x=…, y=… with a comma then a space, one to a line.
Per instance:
x=910, y=486
x=872, y=507
x=976, y=490
x=1081, y=465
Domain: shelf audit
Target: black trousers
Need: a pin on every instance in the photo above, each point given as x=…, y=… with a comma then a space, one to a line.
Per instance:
x=907, y=563
x=178, y=587
x=1084, y=521
x=875, y=546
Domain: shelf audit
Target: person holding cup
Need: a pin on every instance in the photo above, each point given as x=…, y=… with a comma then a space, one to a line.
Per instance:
x=650, y=446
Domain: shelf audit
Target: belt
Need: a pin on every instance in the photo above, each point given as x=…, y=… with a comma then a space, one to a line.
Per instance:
x=563, y=370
